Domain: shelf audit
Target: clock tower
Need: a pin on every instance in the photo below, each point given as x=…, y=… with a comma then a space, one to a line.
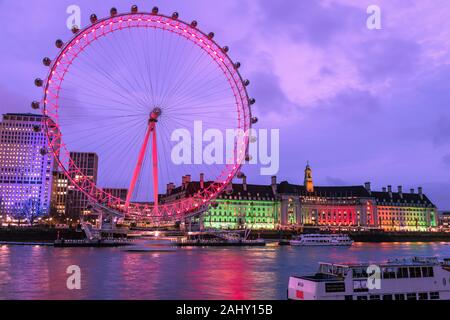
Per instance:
x=308, y=182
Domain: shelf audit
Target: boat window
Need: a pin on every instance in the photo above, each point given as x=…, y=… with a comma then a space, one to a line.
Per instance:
x=402, y=273
x=411, y=296
x=427, y=272
x=360, y=286
x=326, y=268
x=387, y=297
x=335, y=287
x=434, y=295
x=400, y=296
x=348, y=297
x=374, y=297
x=423, y=295
x=414, y=272
x=360, y=272
x=388, y=273
x=361, y=298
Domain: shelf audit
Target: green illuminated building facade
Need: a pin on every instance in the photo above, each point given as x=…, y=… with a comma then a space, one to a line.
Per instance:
x=245, y=206
x=243, y=210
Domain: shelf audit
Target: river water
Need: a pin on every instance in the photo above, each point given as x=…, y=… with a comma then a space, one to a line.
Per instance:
x=39, y=272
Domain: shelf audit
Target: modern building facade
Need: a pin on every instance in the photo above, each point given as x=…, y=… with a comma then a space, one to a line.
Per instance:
x=25, y=166
x=60, y=187
x=117, y=192
x=77, y=203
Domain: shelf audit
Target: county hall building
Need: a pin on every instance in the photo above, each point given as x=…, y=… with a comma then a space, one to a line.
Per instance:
x=288, y=206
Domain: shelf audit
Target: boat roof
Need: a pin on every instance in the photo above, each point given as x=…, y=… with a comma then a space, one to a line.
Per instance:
x=321, y=277
x=415, y=261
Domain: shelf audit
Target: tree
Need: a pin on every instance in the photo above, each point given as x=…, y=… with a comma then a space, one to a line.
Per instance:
x=28, y=210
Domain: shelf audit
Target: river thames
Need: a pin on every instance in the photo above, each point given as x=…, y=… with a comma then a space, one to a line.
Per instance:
x=39, y=272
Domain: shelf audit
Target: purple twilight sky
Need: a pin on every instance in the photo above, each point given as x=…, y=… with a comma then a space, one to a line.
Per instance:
x=359, y=104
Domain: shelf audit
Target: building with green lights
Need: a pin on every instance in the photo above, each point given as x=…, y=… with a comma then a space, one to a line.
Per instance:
x=290, y=206
x=244, y=206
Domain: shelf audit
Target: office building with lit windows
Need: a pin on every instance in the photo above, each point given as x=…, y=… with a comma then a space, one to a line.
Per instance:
x=25, y=167
x=77, y=202
x=60, y=187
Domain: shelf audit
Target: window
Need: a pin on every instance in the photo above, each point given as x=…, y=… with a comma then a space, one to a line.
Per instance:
x=400, y=296
x=427, y=272
x=361, y=298
x=402, y=273
x=388, y=273
x=387, y=297
x=411, y=296
x=414, y=272
x=335, y=287
x=434, y=295
x=360, y=273
x=374, y=297
x=360, y=286
x=423, y=295
x=348, y=297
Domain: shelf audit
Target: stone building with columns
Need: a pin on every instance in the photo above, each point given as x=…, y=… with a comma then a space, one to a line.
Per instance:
x=286, y=206
x=354, y=207
x=400, y=211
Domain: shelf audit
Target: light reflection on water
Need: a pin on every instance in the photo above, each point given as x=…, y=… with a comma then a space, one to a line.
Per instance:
x=36, y=272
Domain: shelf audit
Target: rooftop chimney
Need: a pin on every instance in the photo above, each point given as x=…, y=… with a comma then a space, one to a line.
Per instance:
x=412, y=190
x=202, y=180
x=367, y=186
x=420, y=193
x=400, y=191
x=244, y=183
x=170, y=187
x=384, y=189
x=274, y=184
x=185, y=181
x=390, y=191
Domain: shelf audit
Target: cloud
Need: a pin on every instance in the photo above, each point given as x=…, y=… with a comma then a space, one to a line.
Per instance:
x=446, y=160
x=441, y=135
x=336, y=181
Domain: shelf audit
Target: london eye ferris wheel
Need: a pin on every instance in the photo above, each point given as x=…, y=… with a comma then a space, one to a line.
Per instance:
x=121, y=87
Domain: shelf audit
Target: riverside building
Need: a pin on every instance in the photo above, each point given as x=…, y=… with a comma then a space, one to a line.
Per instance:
x=289, y=206
x=77, y=203
x=25, y=167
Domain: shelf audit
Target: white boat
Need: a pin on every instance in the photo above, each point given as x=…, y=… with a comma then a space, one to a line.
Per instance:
x=399, y=279
x=322, y=240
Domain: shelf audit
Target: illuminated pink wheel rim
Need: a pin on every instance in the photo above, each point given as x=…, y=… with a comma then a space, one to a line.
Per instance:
x=61, y=66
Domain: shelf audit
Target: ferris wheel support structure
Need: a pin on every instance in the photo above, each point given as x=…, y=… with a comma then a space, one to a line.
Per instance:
x=151, y=131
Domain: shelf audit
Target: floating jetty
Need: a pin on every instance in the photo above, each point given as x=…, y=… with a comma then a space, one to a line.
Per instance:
x=96, y=243
x=22, y=243
x=215, y=238
x=223, y=243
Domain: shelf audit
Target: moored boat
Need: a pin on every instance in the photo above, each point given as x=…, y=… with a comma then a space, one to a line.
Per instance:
x=322, y=240
x=400, y=279
x=97, y=243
